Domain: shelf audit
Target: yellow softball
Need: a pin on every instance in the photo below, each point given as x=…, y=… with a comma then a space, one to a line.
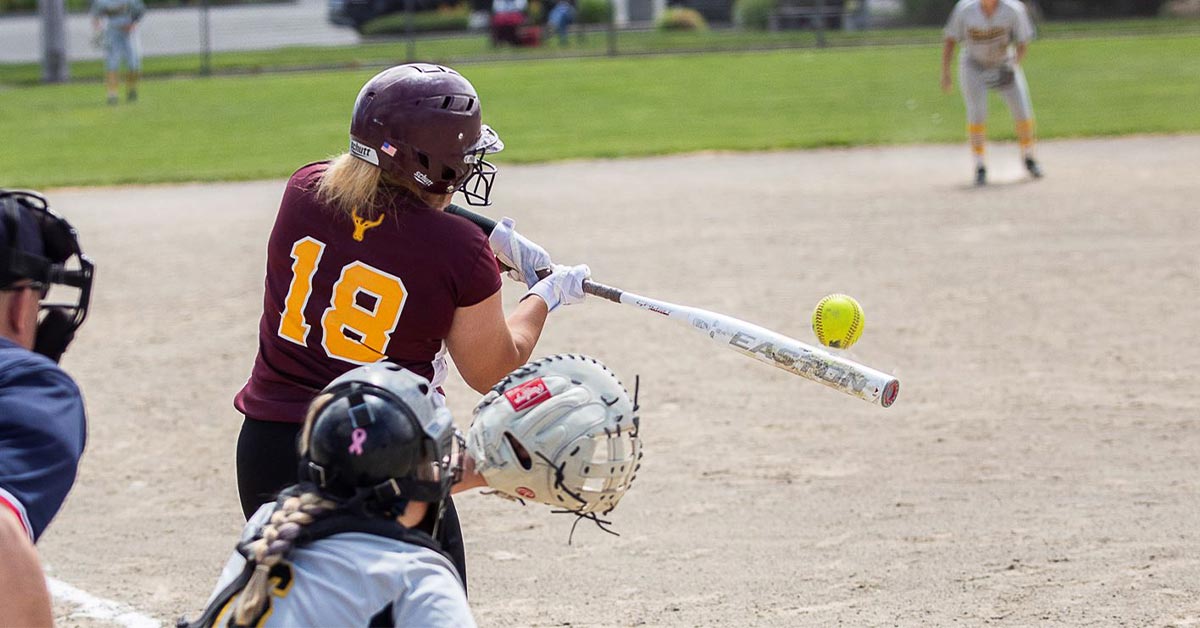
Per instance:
x=838, y=321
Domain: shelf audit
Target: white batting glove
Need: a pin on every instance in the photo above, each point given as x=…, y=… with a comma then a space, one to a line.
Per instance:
x=519, y=253
x=564, y=286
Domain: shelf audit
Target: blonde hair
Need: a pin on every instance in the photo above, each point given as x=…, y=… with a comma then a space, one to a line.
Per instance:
x=352, y=186
x=278, y=535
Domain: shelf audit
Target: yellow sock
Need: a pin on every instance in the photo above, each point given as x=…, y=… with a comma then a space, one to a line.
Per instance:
x=1025, y=135
x=978, y=137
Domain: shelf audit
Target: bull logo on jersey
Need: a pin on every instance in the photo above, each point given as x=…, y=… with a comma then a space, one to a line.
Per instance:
x=361, y=226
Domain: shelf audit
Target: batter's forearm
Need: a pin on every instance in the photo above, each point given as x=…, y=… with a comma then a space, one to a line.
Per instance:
x=526, y=323
x=1021, y=50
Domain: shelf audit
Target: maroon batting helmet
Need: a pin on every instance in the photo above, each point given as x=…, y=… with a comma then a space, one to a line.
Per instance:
x=422, y=122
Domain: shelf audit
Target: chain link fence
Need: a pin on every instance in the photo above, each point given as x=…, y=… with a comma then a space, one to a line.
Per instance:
x=206, y=36
x=197, y=37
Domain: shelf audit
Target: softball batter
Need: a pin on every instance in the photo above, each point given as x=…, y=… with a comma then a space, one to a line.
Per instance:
x=995, y=35
x=363, y=265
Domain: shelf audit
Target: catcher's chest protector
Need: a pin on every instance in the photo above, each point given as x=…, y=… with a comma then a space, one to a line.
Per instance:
x=335, y=524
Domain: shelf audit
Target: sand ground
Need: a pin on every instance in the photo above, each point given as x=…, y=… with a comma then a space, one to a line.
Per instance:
x=1039, y=468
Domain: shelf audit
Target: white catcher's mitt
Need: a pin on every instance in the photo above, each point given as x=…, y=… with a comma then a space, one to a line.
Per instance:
x=560, y=430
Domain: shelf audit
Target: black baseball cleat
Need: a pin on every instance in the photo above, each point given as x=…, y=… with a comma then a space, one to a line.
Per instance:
x=1033, y=167
x=981, y=176
x=131, y=96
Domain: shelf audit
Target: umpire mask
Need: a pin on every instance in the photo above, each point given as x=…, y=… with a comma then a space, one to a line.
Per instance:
x=40, y=246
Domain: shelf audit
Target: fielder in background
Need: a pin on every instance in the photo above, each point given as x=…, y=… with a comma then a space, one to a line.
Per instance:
x=995, y=36
x=364, y=265
x=42, y=422
x=114, y=23
x=354, y=543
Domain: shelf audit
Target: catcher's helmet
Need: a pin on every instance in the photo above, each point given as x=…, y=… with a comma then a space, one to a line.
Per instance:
x=38, y=245
x=376, y=433
x=422, y=122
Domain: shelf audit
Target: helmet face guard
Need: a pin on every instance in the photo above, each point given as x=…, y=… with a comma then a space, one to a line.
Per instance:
x=476, y=186
x=62, y=269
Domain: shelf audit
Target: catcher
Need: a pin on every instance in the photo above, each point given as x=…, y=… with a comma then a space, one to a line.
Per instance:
x=353, y=543
x=989, y=30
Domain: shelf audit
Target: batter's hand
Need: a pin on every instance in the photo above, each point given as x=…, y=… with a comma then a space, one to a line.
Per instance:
x=522, y=256
x=947, y=84
x=564, y=286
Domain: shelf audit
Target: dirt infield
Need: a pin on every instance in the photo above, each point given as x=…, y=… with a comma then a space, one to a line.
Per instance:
x=1040, y=466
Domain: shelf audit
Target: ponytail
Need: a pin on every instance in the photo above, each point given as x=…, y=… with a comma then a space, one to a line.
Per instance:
x=273, y=546
x=352, y=187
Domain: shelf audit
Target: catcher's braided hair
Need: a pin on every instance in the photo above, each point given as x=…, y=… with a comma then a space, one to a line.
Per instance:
x=273, y=546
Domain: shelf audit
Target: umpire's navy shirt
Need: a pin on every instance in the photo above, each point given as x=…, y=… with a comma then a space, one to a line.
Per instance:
x=42, y=433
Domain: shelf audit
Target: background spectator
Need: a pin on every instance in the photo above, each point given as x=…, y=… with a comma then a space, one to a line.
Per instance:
x=115, y=21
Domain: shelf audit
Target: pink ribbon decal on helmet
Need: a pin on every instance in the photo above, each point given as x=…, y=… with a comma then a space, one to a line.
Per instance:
x=359, y=435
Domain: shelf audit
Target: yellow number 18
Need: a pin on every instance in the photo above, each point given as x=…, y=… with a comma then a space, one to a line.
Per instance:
x=352, y=331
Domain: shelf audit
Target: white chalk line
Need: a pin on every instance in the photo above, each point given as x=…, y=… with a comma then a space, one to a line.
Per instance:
x=88, y=605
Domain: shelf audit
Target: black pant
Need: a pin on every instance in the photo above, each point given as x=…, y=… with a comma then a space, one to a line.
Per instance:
x=268, y=461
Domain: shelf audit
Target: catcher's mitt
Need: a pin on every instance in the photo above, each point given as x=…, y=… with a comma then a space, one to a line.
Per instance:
x=1000, y=77
x=560, y=430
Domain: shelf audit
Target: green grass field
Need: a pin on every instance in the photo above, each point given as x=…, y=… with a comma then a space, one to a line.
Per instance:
x=248, y=127
x=475, y=48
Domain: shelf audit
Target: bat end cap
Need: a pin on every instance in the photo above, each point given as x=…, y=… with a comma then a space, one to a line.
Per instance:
x=890, y=391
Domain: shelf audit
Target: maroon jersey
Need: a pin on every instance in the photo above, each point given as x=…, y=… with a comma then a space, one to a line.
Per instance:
x=344, y=291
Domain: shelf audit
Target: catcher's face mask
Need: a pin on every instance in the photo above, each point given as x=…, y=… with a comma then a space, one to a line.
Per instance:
x=42, y=247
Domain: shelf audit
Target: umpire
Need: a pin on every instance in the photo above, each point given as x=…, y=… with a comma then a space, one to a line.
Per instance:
x=42, y=423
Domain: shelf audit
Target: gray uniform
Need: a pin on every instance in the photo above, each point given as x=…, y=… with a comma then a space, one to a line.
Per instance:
x=348, y=578
x=119, y=45
x=987, y=45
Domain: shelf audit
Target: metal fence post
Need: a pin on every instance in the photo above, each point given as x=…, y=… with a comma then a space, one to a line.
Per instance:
x=820, y=23
x=411, y=49
x=612, y=28
x=54, y=41
x=205, y=40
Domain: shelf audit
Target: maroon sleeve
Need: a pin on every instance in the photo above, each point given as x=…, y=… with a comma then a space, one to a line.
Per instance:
x=478, y=274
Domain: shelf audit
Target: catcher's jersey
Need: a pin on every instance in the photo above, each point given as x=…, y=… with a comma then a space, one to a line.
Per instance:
x=355, y=579
x=987, y=41
x=42, y=435
x=342, y=292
